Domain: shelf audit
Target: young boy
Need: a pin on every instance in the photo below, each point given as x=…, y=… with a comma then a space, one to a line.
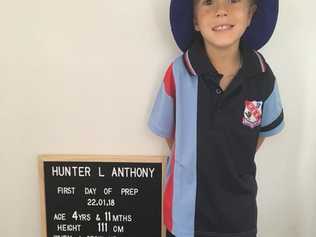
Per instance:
x=217, y=103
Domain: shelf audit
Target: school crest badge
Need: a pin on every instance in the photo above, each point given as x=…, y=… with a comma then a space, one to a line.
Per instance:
x=252, y=113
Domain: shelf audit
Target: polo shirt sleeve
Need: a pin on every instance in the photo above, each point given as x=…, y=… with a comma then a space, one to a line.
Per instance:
x=272, y=116
x=162, y=118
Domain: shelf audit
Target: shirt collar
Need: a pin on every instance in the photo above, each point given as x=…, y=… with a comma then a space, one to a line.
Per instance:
x=198, y=64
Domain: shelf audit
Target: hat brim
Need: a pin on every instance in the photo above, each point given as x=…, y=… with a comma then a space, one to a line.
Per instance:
x=255, y=37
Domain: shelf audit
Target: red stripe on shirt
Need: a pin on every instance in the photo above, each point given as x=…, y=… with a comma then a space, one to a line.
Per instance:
x=169, y=82
x=168, y=194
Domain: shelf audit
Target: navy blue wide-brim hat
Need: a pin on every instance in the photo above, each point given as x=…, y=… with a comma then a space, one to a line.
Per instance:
x=255, y=37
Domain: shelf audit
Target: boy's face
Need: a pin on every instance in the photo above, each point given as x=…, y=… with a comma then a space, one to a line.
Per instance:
x=222, y=22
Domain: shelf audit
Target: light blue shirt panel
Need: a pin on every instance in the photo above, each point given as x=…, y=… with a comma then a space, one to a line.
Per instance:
x=161, y=120
x=185, y=163
x=272, y=109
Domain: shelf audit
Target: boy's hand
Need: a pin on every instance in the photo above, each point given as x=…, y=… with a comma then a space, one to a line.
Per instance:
x=169, y=142
x=259, y=142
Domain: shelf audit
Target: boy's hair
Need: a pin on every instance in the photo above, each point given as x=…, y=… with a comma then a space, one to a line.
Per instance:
x=253, y=2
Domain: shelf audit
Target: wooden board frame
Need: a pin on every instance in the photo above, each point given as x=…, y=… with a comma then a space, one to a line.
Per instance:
x=94, y=158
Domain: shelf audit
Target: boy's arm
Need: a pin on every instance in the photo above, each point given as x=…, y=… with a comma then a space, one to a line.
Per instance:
x=272, y=121
x=162, y=117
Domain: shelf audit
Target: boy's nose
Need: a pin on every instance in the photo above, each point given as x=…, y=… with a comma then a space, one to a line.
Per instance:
x=221, y=13
x=221, y=8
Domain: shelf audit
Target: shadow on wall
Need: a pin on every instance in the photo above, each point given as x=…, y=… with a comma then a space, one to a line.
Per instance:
x=289, y=67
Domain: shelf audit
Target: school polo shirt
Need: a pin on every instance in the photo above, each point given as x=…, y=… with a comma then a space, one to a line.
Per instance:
x=210, y=186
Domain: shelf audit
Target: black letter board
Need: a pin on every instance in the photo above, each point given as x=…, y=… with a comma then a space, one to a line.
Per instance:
x=102, y=196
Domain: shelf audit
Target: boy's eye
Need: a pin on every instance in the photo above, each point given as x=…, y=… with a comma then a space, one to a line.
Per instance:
x=208, y=2
x=233, y=1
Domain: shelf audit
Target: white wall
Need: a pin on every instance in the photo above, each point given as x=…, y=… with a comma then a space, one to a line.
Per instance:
x=79, y=77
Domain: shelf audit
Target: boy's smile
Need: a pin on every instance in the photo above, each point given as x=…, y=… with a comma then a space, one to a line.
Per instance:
x=222, y=22
x=223, y=27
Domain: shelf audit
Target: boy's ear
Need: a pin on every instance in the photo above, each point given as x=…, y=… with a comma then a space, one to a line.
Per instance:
x=252, y=12
x=195, y=24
